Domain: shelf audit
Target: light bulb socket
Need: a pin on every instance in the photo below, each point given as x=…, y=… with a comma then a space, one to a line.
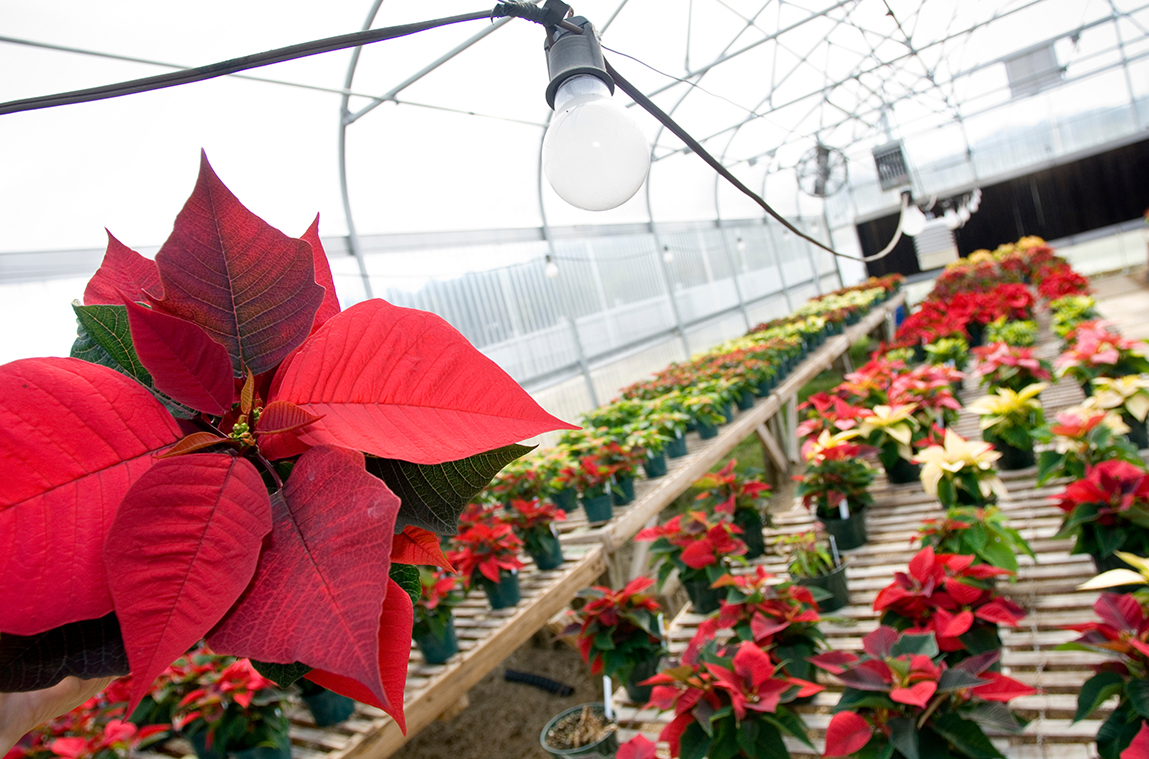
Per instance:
x=570, y=54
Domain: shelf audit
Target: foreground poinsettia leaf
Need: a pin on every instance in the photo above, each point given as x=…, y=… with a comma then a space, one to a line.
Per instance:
x=321, y=579
x=434, y=495
x=394, y=653
x=403, y=384
x=283, y=675
x=406, y=577
x=75, y=437
x=104, y=337
x=182, y=548
x=251, y=287
x=184, y=362
x=85, y=649
x=122, y=269
x=418, y=546
x=330, y=305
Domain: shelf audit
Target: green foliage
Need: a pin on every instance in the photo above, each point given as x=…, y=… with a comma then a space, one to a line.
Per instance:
x=980, y=532
x=1018, y=333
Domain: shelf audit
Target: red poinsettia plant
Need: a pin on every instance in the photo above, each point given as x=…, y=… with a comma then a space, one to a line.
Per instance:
x=730, y=492
x=283, y=442
x=1123, y=631
x=617, y=629
x=950, y=596
x=1107, y=510
x=696, y=546
x=485, y=550
x=729, y=702
x=902, y=695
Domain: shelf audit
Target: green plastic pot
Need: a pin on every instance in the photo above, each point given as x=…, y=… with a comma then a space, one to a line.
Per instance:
x=765, y=387
x=198, y=741
x=706, y=431
x=1012, y=457
x=728, y=412
x=602, y=749
x=849, y=532
x=329, y=708
x=1138, y=431
x=622, y=491
x=676, y=448
x=549, y=553
x=903, y=471
x=655, y=466
x=502, y=594
x=976, y=332
x=833, y=583
x=703, y=598
x=643, y=670
x=751, y=523
x=599, y=508
x=437, y=650
x=282, y=751
x=746, y=401
x=566, y=499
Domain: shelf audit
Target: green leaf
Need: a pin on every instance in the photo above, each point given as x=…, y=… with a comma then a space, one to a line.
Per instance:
x=790, y=722
x=978, y=640
x=725, y=745
x=1117, y=732
x=747, y=734
x=103, y=337
x=852, y=700
x=282, y=675
x=1096, y=691
x=694, y=743
x=1137, y=691
x=965, y=736
x=433, y=495
x=911, y=643
x=952, y=679
x=904, y=736
x=1110, y=539
x=994, y=716
x=407, y=577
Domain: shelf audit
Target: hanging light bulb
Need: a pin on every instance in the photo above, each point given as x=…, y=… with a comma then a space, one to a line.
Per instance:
x=913, y=221
x=551, y=269
x=951, y=219
x=963, y=214
x=740, y=246
x=975, y=201
x=667, y=256
x=594, y=154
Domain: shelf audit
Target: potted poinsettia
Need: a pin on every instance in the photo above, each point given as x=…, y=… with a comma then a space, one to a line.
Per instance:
x=434, y=626
x=593, y=479
x=729, y=702
x=222, y=385
x=812, y=563
x=1007, y=421
x=1093, y=351
x=983, y=533
x=619, y=634
x=780, y=617
x=952, y=596
x=828, y=412
x=1107, y=511
x=960, y=472
x=744, y=500
x=948, y=350
x=700, y=548
x=1123, y=631
x=901, y=698
x=533, y=521
x=891, y=430
x=1080, y=438
x=487, y=554
x=653, y=441
x=1127, y=396
x=666, y=415
x=707, y=412
x=1001, y=365
x=836, y=486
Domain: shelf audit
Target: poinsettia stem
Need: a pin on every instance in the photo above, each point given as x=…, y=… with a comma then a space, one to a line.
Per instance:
x=931, y=709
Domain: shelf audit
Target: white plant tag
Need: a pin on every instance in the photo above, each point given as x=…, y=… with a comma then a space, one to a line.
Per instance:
x=844, y=509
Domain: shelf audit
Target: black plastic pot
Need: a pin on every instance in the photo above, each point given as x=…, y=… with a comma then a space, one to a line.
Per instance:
x=643, y=670
x=1138, y=431
x=329, y=708
x=655, y=466
x=504, y=593
x=676, y=448
x=903, y=471
x=751, y=523
x=437, y=650
x=1012, y=458
x=746, y=400
x=976, y=332
x=703, y=598
x=602, y=749
x=705, y=431
x=622, y=492
x=834, y=583
x=551, y=554
x=849, y=532
x=566, y=499
x=598, y=509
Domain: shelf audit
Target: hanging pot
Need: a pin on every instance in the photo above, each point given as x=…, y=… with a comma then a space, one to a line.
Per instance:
x=655, y=466
x=834, y=583
x=438, y=649
x=849, y=532
x=504, y=593
x=676, y=448
x=604, y=748
x=622, y=492
x=598, y=508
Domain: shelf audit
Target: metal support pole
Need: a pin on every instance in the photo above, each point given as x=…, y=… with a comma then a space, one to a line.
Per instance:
x=733, y=273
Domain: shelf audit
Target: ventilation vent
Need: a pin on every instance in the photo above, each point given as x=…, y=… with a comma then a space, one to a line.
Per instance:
x=1033, y=71
x=935, y=246
x=891, y=163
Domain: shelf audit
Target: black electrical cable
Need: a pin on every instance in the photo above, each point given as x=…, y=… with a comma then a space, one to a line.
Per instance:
x=538, y=681
x=236, y=65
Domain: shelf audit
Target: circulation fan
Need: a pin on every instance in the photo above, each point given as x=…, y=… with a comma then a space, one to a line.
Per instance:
x=821, y=171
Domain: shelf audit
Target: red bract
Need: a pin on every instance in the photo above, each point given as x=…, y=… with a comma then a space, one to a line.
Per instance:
x=235, y=330
x=702, y=543
x=1114, y=485
x=1123, y=629
x=616, y=620
x=486, y=549
x=731, y=491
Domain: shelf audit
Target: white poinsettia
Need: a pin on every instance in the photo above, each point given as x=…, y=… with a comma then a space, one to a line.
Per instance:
x=1006, y=407
x=897, y=422
x=1128, y=394
x=960, y=455
x=1115, y=577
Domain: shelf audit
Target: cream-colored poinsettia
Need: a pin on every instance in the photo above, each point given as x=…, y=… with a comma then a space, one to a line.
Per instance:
x=1115, y=577
x=1128, y=394
x=897, y=422
x=957, y=455
x=1006, y=407
x=826, y=441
